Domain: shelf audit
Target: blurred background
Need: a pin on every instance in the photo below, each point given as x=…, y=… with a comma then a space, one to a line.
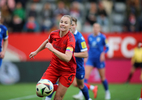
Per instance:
x=29, y=23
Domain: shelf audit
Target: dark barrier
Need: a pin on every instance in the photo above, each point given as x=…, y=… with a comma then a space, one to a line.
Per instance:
x=12, y=72
x=117, y=71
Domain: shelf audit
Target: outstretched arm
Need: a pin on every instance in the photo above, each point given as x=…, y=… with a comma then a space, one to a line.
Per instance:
x=41, y=47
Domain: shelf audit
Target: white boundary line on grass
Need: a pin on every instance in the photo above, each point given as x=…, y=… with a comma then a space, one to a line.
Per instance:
x=25, y=97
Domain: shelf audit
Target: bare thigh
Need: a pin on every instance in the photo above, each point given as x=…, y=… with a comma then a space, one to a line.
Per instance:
x=61, y=90
x=102, y=73
x=88, y=70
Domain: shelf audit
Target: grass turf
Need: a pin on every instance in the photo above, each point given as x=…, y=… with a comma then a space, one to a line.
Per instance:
x=26, y=91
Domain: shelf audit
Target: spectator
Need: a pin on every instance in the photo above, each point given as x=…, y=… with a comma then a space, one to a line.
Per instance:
x=131, y=24
x=103, y=21
x=32, y=11
x=9, y=3
x=47, y=17
x=19, y=11
x=16, y=25
x=47, y=12
x=61, y=9
x=6, y=14
x=132, y=6
x=75, y=10
x=101, y=9
x=91, y=17
x=31, y=25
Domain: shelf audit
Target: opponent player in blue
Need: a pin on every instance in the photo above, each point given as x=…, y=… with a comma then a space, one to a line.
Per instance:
x=80, y=53
x=4, y=38
x=96, y=57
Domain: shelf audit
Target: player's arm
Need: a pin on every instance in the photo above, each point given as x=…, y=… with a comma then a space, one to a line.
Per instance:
x=40, y=48
x=102, y=56
x=83, y=48
x=63, y=56
x=5, y=44
x=83, y=54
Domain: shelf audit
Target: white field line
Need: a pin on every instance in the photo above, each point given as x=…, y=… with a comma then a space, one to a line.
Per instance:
x=25, y=97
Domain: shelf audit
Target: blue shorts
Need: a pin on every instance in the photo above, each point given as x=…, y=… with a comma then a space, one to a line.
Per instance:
x=80, y=72
x=95, y=63
x=0, y=62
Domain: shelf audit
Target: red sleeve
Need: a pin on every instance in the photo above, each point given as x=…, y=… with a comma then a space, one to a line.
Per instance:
x=50, y=38
x=71, y=41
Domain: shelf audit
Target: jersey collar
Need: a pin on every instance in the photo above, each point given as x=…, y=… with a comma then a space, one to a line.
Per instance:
x=75, y=32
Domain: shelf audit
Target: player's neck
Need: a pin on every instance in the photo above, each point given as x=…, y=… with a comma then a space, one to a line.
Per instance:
x=95, y=34
x=62, y=33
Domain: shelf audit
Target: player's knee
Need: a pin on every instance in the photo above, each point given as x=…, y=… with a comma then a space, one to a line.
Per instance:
x=74, y=84
x=80, y=86
x=102, y=78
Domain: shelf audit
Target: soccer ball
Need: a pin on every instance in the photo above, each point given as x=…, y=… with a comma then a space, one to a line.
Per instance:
x=44, y=88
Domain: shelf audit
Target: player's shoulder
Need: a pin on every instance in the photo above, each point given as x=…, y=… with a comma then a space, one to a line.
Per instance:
x=3, y=27
x=55, y=32
x=102, y=35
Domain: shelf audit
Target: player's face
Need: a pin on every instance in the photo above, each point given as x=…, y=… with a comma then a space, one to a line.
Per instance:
x=73, y=27
x=96, y=28
x=64, y=24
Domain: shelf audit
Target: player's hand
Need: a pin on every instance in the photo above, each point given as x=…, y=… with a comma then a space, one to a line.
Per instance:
x=32, y=54
x=2, y=55
x=102, y=57
x=49, y=46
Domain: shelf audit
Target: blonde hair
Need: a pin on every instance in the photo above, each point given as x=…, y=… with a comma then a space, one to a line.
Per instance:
x=68, y=17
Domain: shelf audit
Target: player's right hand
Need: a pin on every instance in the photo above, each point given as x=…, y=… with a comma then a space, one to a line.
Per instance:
x=32, y=54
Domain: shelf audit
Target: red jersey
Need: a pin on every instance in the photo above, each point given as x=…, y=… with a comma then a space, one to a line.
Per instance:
x=60, y=44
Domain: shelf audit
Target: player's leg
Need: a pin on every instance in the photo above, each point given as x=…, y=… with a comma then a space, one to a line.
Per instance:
x=74, y=82
x=141, y=71
x=133, y=68
x=83, y=88
x=79, y=82
x=61, y=90
x=65, y=80
x=104, y=82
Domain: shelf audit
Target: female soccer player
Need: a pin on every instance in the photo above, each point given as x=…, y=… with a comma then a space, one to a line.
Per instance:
x=4, y=37
x=63, y=64
x=80, y=53
x=96, y=57
x=136, y=61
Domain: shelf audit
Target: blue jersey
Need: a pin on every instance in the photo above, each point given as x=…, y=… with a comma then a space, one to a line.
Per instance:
x=3, y=35
x=96, y=45
x=80, y=46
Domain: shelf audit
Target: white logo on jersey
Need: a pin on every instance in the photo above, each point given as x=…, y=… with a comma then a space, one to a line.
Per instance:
x=94, y=43
x=82, y=38
x=0, y=29
x=98, y=39
x=81, y=76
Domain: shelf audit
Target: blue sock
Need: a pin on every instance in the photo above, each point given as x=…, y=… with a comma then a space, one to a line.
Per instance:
x=105, y=84
x=85, y=92
x=85, y=80
x=50, y=96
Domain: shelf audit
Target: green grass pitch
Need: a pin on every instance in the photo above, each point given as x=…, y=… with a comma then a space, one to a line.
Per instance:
x=26, y=91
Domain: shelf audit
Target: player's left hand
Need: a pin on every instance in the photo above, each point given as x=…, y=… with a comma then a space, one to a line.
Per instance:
x=49, y=46
x=2, y=55
x=102, y=57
